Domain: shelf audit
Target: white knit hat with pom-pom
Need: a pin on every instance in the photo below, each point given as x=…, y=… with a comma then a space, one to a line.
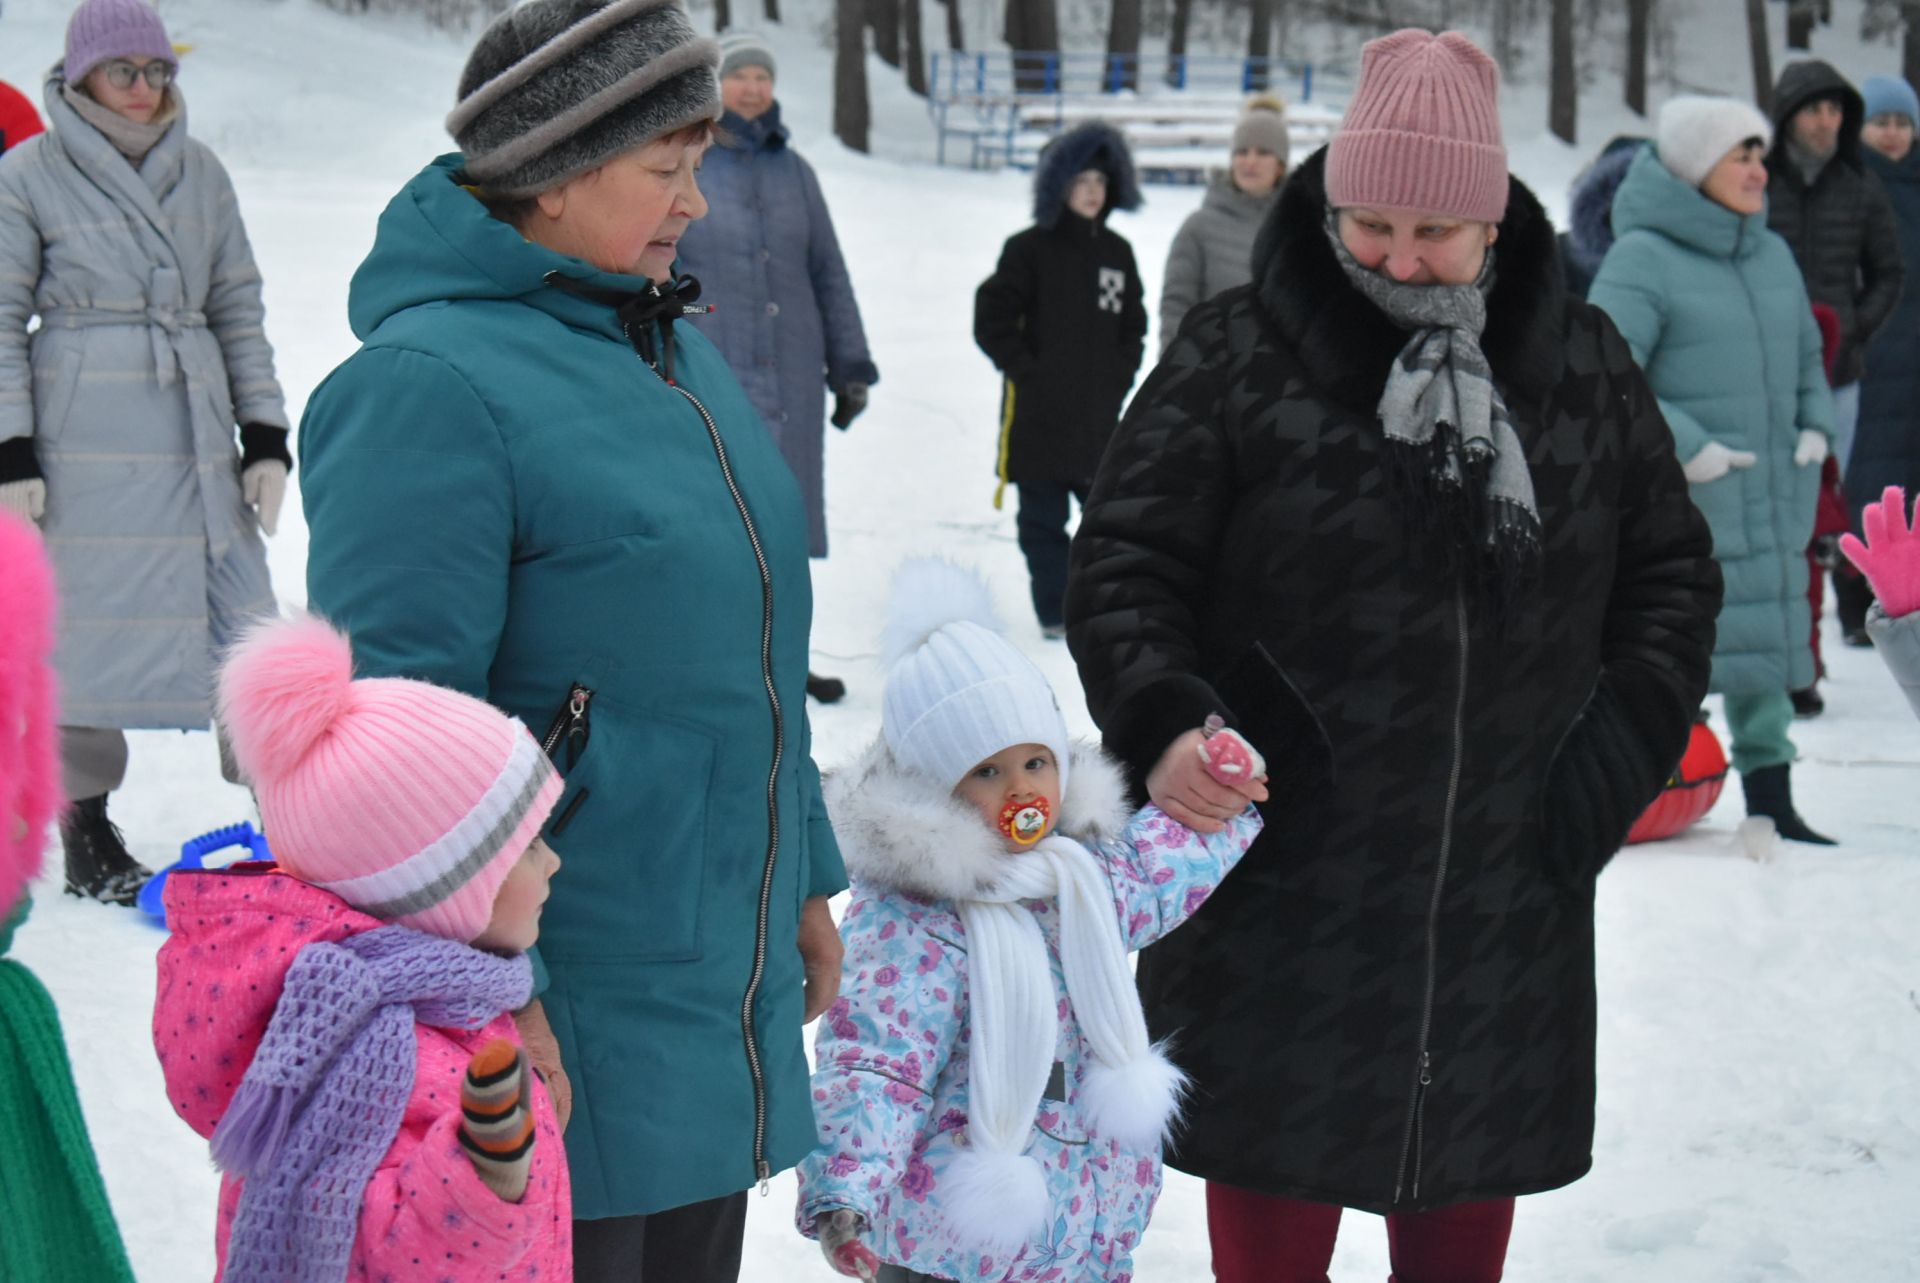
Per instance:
x=957, y=690
x=409, y=801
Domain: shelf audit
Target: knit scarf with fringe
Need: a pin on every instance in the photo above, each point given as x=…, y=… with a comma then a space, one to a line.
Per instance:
x=1456, y=461
x=1130, y=1094
x=322, y=1101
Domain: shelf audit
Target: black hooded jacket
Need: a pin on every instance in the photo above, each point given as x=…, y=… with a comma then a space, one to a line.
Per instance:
x=1062, y=317
x=1390, y=1004
x=1841, y=227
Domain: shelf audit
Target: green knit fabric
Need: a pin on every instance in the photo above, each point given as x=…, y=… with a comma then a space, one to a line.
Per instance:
x=58, y=1225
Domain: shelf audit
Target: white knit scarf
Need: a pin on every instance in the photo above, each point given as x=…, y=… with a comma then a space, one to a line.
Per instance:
x=995, y=1194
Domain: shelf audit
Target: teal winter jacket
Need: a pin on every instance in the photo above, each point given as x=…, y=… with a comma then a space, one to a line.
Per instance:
x=1715, y=311
x=506, y=499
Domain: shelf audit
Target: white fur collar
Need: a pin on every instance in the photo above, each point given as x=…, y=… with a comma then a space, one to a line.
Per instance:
x=899, y=831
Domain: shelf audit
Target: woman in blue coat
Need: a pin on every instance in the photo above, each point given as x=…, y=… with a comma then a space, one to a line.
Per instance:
x=784, y=314
x=532, y=485
x=1715, y=310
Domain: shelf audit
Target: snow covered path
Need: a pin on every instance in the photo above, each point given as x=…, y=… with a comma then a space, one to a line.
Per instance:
x=1760, y=1023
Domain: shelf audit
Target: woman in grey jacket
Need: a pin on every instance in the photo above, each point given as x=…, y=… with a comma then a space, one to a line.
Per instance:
x=1213, y=250
x=117, y=415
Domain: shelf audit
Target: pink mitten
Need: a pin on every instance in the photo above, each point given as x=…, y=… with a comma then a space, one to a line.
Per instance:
x=1229, y=759
x=1890, y=557
x=840, y=1240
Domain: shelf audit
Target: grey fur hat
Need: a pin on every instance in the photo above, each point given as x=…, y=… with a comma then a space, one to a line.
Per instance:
x=555, y=88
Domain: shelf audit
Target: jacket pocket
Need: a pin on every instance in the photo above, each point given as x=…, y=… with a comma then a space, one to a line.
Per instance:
x=631, y=830
x=1723, y=503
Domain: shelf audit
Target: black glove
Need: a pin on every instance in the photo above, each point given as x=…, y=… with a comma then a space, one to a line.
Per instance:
x=848, y=404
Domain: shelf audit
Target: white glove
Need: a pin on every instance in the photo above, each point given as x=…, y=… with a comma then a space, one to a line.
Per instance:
x=264, y=485
x=26, y=500
x=1810, y=451
x=1715, y=461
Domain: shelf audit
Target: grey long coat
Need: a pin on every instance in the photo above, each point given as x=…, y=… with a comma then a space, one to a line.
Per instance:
x=1212, y=251
x=150, y=349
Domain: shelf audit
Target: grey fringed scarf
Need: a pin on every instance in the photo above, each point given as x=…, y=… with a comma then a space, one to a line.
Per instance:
x=1455, y=453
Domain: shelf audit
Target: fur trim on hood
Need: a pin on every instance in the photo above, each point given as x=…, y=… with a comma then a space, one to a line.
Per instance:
x=1094, y=145
x=899, y=831
x=1589, y=210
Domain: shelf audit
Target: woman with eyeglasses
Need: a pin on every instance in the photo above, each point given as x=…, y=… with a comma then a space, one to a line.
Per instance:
x=118, y=413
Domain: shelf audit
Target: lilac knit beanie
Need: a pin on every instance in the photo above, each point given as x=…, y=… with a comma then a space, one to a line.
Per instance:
x=104, y=29
x=1423, y=130
x=409, y=801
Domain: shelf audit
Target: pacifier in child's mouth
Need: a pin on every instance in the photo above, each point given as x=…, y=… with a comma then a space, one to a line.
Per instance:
x=1026, y=822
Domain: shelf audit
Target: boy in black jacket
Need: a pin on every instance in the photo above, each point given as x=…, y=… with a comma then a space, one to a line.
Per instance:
x=1062, y=318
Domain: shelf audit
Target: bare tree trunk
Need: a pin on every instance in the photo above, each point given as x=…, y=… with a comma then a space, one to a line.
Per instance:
x=1760, y=49
x=1260, y=38
x=916, y=52
x=1799, y=24
x=1123, y=37
x=885, y=17
x=1033, y=27
x=851, y=114
x=773, y=10
x=722, y=15
x=1639, y=15
x=1910, y=45
x=1563, y=101
x=1177, y=39
x=956, y=36
x=1504, y=52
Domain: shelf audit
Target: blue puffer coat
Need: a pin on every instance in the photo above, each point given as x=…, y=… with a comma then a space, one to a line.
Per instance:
x=505, y=499
x=1886, y=444
x=1714, y=309
x=784, y=317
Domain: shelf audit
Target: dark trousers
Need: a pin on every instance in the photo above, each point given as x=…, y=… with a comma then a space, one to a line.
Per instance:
x=1042, y=524
x=698, y=1243
x=1258, y=1238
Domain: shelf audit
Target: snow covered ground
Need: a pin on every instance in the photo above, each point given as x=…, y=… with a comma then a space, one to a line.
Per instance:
x=1760, y=1036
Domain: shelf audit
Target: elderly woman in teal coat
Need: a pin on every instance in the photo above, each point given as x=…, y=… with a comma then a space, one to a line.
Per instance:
x=533, y=485
x=1717, y=313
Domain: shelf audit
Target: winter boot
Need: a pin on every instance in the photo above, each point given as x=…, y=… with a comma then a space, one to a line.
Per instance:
x=1808, y=703
x=828, y=690
x=1770, y=794
x=98, y=864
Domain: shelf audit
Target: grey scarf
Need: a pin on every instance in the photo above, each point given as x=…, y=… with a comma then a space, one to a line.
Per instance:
x=129, y=137
x=1456, y=458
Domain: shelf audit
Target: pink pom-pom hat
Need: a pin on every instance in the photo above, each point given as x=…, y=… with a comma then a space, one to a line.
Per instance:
x=1423, y=130
x=407, y=800
x=30, y=789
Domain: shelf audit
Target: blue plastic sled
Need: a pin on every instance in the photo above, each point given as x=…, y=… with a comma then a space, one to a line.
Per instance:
x=193, y=855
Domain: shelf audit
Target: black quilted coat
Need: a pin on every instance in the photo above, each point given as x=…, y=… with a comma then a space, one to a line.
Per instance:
x=1390, y=1005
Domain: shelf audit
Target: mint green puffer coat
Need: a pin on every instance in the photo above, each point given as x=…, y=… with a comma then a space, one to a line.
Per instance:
x=1715, y=311
x=506, y=499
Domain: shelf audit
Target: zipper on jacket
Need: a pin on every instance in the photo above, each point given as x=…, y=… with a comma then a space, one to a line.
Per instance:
x=761, y=1167
x=571, y=724
x=1411, y=1149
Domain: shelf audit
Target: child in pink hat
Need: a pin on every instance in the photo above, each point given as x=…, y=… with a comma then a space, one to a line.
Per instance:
x=339, y=1022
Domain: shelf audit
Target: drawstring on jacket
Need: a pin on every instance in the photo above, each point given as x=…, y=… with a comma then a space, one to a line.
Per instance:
x=638, y=311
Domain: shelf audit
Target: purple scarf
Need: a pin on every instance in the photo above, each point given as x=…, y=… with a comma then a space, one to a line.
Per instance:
x=324, y=1096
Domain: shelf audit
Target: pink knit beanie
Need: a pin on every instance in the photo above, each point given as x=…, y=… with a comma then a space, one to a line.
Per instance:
x=407, y=800
x=104, y=29
x=1423, y=130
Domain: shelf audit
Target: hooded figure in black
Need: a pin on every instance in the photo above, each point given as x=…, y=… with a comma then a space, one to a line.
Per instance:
x=1062, y=317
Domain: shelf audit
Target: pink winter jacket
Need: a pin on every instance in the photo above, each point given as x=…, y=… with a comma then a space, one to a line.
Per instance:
x=425, y=1214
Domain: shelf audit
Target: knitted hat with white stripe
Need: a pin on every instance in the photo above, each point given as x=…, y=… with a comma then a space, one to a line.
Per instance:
x=407, y=800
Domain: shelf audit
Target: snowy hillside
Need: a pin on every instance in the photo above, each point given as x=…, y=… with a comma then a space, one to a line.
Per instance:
x=1760, y=1023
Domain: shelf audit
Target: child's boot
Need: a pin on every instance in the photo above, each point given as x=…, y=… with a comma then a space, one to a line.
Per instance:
x=99, y=866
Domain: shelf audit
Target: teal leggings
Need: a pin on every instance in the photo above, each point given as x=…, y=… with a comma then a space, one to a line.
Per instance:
x=1759, y=725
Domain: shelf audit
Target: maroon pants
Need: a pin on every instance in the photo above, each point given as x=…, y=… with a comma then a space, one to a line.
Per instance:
x=1261, y=1239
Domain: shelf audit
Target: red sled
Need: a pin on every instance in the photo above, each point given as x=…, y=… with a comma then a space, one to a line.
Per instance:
x=1692, y=791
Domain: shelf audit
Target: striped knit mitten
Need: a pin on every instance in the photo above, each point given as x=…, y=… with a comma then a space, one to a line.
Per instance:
x=496, y=1126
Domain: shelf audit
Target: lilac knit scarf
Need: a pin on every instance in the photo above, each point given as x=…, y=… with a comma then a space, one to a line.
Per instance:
x=324, y=1096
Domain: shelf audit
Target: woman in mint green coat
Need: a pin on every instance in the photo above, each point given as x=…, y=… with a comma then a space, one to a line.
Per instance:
x=532, y=485
x=1716, y=312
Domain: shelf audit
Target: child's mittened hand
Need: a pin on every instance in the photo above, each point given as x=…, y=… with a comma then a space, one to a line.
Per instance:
x=496, y=1124
x=1890, y=557
x=1229, y=759
x=840, y=1240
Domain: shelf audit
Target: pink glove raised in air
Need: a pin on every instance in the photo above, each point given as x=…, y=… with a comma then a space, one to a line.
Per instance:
x=1890, y=557
x=840, y=1240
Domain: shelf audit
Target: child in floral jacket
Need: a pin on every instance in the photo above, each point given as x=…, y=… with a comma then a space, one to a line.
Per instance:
x=988, y=1101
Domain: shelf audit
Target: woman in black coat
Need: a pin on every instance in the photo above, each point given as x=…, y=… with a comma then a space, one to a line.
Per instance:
x=1471, y=650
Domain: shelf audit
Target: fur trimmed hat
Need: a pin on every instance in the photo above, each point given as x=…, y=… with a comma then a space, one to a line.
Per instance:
x=409, y=801
x=1696, y=132
x=957, y=690
x=555, y=88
